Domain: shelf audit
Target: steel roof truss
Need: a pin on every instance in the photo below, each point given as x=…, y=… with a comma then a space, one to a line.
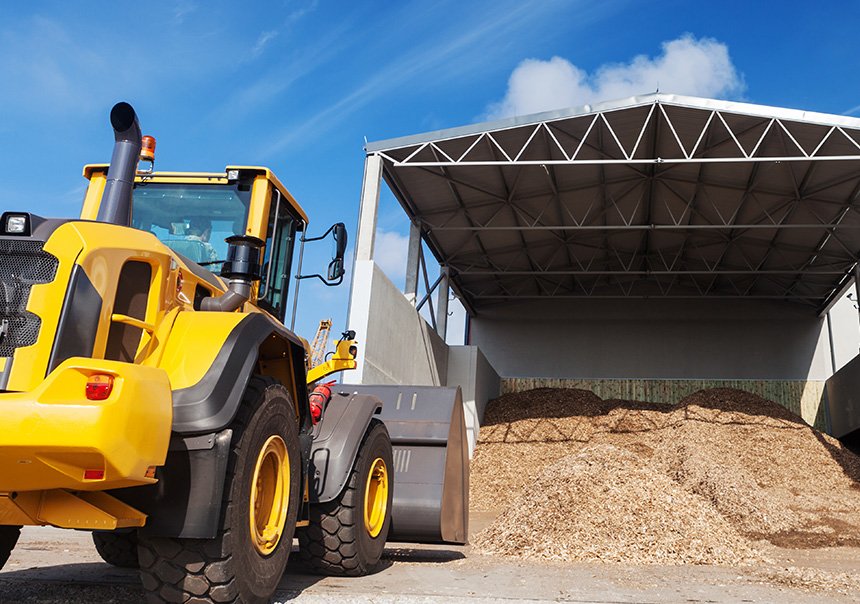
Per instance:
x=718, y=245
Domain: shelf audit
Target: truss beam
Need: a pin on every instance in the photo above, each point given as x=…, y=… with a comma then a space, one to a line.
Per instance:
x=694, y=198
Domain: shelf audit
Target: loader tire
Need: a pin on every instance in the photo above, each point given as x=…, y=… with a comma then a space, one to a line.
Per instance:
x=247, y=558
x=8, y=538
x=119, y=549
x=346, y=536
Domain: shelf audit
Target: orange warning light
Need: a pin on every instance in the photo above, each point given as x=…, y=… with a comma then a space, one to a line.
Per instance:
x=147, y=148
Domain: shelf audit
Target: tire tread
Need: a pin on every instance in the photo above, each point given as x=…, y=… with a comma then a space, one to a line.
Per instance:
x=8, y=538
x=329, y=545
x=200, y=570
x=117, y=549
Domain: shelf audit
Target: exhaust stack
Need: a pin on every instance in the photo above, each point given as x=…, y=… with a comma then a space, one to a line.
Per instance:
x=115, y=206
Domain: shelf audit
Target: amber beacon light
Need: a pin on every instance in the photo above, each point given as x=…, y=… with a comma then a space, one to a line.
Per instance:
x=147, y=148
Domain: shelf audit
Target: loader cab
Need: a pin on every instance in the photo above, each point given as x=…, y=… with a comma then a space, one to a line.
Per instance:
x=193, y=214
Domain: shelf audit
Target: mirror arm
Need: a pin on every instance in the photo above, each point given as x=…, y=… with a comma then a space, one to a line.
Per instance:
x=323, y=236
x=299, y=277
x=321, y=278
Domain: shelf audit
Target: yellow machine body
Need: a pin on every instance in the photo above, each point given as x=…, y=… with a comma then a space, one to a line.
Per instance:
x=51, y=434
x=59, y=434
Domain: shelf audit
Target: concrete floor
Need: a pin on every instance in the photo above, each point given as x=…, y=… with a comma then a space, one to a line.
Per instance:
x=53, y=566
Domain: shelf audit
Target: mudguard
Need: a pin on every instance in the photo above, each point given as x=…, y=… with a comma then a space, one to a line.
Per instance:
x=186, y=501
x=336, y=441
x=210, y=404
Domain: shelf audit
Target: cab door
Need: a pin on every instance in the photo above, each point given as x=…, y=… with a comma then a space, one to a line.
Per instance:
x=278, y=259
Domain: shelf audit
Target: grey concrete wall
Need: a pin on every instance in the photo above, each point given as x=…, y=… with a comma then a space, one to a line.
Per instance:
x=846, y=331
x=469, y=369
x=396, y=345
x=658, y=339
x=843, y=400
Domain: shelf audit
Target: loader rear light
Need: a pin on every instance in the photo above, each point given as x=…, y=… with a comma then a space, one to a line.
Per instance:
x=96, y=474
x=147, y=148
x=99, y=387
x=150, y=472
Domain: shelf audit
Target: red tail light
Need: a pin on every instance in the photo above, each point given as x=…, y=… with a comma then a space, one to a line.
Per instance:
x=99, y=387
x=94, y=474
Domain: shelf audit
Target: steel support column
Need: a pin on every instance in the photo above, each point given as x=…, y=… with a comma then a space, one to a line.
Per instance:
x=442, y=303
x=857, y=288
x=413, y=259
x=366, y=233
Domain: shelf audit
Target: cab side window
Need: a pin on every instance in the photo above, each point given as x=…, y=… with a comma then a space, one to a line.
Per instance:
x=277, y=260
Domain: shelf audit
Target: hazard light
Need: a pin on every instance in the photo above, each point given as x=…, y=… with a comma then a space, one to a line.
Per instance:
x=147, y=154
x=99, y=387
x=147, y=148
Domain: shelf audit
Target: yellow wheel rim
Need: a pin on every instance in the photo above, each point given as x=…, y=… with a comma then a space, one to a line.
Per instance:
x=376, y=497
x=270, y=495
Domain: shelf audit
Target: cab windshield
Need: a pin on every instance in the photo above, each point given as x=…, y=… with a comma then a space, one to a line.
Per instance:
x=193, y=220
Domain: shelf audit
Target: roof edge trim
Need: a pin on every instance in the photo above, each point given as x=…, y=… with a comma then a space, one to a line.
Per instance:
x=796, y=115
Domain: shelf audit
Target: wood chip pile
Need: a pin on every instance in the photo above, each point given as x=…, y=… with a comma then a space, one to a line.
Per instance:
x=702, y=482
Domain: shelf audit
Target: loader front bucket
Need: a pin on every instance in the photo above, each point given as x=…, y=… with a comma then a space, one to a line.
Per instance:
x=431, y=462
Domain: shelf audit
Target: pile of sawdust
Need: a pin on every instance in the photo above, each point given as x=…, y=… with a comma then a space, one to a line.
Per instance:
x=581, y=478
x=647, y=516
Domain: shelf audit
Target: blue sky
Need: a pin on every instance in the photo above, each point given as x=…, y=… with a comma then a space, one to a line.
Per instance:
x=298, y=85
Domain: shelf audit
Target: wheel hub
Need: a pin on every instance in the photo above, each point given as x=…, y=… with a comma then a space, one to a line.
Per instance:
x=376, y=497
x=270, y=495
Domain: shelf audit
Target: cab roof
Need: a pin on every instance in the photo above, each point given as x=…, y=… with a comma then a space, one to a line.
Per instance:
x=212, y=177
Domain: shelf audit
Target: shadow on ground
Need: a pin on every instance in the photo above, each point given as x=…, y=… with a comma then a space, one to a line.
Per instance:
x=420, y=555
x=84, y=582
x=88, y=583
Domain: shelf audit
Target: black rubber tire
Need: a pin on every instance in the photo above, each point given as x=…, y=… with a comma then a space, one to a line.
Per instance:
x=118, y=549
x=336, y=542
x=8, y=538
x=229, y=568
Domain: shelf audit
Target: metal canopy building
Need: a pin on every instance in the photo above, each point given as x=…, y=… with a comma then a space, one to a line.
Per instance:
x=654, y=196
x=658, y=244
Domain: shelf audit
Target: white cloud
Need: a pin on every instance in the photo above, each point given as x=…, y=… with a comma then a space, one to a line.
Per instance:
x=57, y=68
x=60, y=72
x=302, y=11
x=687, y=65
x=389, y=252
x=263, y=40
x=182, y=10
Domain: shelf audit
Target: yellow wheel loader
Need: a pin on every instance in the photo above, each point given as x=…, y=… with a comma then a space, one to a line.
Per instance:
x=151, y=393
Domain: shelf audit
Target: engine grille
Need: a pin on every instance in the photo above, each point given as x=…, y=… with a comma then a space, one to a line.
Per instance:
x=23, y=263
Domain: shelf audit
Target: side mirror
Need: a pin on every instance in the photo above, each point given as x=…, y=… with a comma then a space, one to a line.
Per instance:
x=339, y=232
x=335, y=267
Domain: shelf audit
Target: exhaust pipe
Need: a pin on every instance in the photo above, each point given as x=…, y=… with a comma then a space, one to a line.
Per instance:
x=115, y=206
